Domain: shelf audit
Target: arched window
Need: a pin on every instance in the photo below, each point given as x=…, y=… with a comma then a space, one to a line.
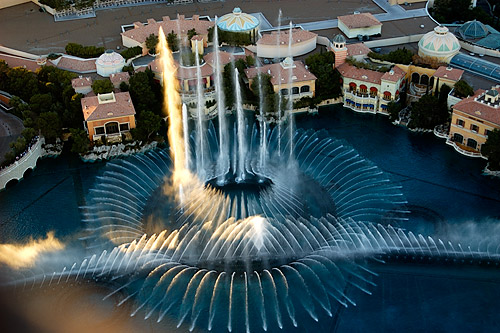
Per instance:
x=387, y=95
x=373, y=91
x=424, y=79
x=458, y=138
x=415, y=78
x=304, y=89
x=363, y=89
x=295, y=90
x=284, y=92
x=431, y=82
x=112, y=128
x=472, y=143
x=352, y=86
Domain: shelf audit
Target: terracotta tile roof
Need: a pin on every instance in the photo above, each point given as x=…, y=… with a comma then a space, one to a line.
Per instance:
x=224, y=58
x=361, y=74
x=197, y=37
x=357, y=49
x=74, y=64
x=81, y=81
x=117, y=78
x=183, y=73
x=299, y=72
x=474, y=107
x=394, y=74
x=362, y=20
x=141, y=31
x=93, y=110
x=449, y=73
x=14, y=61
x=298, y=36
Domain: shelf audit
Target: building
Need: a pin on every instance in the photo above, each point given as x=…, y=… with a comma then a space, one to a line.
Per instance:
x=302, y=84
x=473, y=118
x=370, y=91
x=75, y=64
x=276, y=44
x=140, y=31
x=357, y=51
x=108, y=115
x=82, y=85
x=472, y=30
x=239, y=22
x=338, y=47
x=359, y=24
x=109, y=63
x=439, y=44
x=117, y=78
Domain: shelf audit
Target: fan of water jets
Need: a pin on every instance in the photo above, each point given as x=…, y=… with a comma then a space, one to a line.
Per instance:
x=325, y=176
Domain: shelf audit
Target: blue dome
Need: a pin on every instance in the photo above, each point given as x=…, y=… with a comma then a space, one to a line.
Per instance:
x=472, y=30
x=237, y=21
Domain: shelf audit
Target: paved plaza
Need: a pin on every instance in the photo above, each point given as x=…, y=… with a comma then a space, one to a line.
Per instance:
x=42, y=35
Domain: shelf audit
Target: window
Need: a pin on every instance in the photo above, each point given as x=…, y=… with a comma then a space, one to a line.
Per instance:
x=387, y=95
x=111, y=128
x=295, y=90
x=124, y=127
x=284, y=92
x=304, y=89
x=352, y=86
x=460, y=122
x=474, y=128
x=373, y=91
x=363, y=89
x=471, y=143
x=487, y=132
x=99, y=130
x=458, y=138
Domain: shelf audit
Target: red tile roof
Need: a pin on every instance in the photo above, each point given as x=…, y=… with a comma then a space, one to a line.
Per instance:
x=472, y=106
x=361, y=74
x=449, y=73
x=141, y=31
x=93, y=110
x=81, y=81
x=275, y=70
x=224, y=58
x=14, y=61
x=117, y=78
x=362, y=20
x=74, y=64
x=394, y=74
x=298, y=36
x=357, y=49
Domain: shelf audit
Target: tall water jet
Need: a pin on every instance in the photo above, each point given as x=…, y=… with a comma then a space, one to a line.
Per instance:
x=278, y=46
x=290, y=92
x=172, y=104
x=185, y=128
x=223, y=159
x=262, y=122
x=200, y=147
x=240, y=128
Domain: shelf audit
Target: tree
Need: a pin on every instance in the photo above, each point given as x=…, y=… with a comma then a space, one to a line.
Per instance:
x=173, y=41
x=4, y=69
x=22, y=83
x=81, y=142
x=102, y=86
x=491, y=149
x=443, y=93
x=18, y=146
x=124, y=86
x=393, y=109
x=463, y=89
x=151, y=43
x=141, y=87
x=191, y=33
x=49, y=125
x=81, y=51
x=250, y=61
x=29, y=133
x=263, y=80
x=399, y=56
x=328, y=80
x=148, y=124
x=40, y=103
x=131, y=52
x=210, y=34
x=427, y=112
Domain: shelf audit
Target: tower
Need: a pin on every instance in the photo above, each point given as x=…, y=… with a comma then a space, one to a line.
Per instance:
x=339, y=49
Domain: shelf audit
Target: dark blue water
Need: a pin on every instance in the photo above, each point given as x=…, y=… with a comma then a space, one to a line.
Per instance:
x=444, y=189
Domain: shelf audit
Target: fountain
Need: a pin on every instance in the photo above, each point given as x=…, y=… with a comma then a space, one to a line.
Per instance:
x=242, y=237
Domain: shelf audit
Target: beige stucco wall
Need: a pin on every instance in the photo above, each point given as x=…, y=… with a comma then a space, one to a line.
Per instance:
x=98, y=123
x=353, y=33
x=9, y=3
x=466, y=132
x=298, y=49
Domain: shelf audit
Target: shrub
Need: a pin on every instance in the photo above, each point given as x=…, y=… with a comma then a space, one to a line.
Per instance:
x=131, y=52
x=81, y=51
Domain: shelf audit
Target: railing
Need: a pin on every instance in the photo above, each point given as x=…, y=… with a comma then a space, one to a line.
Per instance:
x=463, y=151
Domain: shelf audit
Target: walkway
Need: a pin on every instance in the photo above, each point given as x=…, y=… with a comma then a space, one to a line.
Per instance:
x=10, y=128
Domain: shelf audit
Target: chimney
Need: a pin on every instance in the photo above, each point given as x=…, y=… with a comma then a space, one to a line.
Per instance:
x=151, y=21
x=196, y=17
x=166, y=18
x=138, y=24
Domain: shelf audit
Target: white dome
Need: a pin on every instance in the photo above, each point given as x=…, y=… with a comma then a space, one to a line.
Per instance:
x=440, y=44
x=109, y=63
